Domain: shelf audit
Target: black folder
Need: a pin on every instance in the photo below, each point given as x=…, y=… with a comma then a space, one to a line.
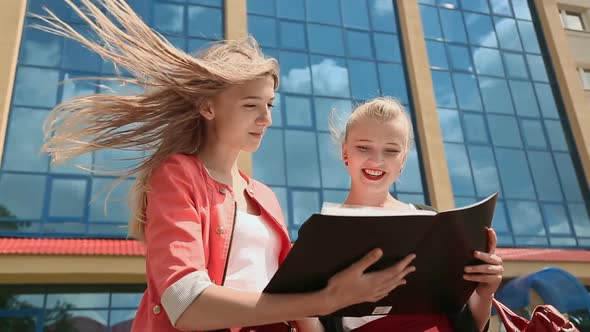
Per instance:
x=444, y=244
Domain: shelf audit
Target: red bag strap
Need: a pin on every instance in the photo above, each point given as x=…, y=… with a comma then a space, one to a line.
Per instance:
x=512, y=322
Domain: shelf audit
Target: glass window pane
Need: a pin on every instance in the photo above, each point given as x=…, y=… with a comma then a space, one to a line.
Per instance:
x=125, y=300
x=573, y=21
x=460, y=57
x=459, y=169
x=556, y=135
x=334, y=196
x=80, y=300
x=563, y=241
x=355, y=14
x=269, y=160
x=556, y=219
x=302, y=172
x=77, y=57
x=325, y=39
x=411, y=179
x=545, y=176
x=281, y=193
x=264, y=29
x=450, y=125
x=330, y=77
x=304, y=203
x=437, y=56
x=295, y=75
x=411, y=198
x=215, y=3
x=504, y=131
x=537, y=68
x=359, y=44
x=293, y=9
x=292, y=35
x=121, y=320
x=514, y=174
x=579, y=214
x=383, y=17
x=24, y=141
x=40, y=48
x=323, y=111
x=363, y=79
x=327, y=11
x=485, y=173
x=495, y=94
x=515, y=66
x=507, y=34
x=469, y=98
x=533, y=133
x=387, y=47
x=36, y=87
x=480, y=6
x=334, y=172
x=488, y=61
x=205, y=22
x=521, y=9
x=117, y=207
x=68, y=197
x=480, y=30
x=263, y=7
x=430, y=21
x=546, y=100
x=528, y=37
x=525, y=102
x=526, y=218
x=500, y=222
x=452, y=25
x=568, y=176
x=169, y=18
x=475, y=128
x=443, y=89
x=523, y=241
x=116, y=160
x=298, y=111
x=501, y=7
x=393, y=81
x=22, y=195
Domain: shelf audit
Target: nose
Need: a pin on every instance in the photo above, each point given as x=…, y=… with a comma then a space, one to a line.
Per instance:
x=375, y=158
x=265, y=118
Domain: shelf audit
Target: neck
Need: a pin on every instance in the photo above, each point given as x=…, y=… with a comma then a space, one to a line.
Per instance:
x=221, y=163
x=363, y=197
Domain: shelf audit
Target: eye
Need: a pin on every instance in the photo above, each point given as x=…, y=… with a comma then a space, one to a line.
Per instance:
x=392, y=151
x=362, y=148
x=250, y=106
x=270, y=105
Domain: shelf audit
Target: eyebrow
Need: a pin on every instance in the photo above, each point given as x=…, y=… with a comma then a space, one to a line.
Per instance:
x=256, y=97
x=369, y=141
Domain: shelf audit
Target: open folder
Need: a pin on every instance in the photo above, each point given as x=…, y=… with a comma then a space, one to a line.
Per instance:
x=443, y=242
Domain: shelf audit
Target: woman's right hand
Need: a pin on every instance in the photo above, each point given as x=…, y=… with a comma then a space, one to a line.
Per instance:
x=353, y=285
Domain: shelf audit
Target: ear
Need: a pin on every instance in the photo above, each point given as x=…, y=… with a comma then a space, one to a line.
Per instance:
x=207, y=111
x=344, y=153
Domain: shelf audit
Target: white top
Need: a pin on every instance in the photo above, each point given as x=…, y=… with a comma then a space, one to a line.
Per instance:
x=253, y=260
x=254, y=254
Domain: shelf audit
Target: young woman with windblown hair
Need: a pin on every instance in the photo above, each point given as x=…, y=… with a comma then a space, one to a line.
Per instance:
x=375, y=145
x=213, y=236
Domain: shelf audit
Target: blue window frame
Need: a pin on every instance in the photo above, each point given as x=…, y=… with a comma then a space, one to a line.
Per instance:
x=501, y=121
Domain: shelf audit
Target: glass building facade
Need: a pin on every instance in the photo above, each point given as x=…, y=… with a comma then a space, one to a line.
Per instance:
x=503, y=125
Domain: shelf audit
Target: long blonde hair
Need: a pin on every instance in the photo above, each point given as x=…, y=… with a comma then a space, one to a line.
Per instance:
x=163, y=120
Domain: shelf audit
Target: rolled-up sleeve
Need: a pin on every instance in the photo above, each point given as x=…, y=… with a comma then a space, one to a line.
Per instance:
x=175, y=255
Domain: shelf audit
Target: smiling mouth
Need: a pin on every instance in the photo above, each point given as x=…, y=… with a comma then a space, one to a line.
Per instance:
x=373, y=174
x=257, y=134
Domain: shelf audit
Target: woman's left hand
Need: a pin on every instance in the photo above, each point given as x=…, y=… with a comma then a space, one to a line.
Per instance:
x=488, y=275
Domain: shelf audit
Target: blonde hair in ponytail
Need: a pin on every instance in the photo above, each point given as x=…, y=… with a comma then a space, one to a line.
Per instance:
x=164, y=119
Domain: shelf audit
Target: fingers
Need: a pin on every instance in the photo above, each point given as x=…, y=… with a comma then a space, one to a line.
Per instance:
x=485, y=269
x=369, y=259
x=492, y=241
x=484, y=278
x=488, y=258
x=400, y=266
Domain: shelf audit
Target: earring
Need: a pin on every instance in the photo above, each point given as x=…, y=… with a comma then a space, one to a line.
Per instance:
x=346, y=163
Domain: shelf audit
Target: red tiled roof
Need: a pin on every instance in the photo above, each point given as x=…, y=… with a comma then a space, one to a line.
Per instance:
x=114, y=247
x=96, y=247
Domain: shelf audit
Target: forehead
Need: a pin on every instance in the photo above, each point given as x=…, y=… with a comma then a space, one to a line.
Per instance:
x=394, y=130
x=261, y=87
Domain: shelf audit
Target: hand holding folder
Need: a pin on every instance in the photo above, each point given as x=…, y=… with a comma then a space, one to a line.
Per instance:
x=444, y=244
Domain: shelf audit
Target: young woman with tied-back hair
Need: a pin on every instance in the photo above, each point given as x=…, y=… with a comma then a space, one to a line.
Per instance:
x=213, y=236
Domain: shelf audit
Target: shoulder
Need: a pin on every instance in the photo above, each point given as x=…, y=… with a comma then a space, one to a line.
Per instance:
x=179, y=166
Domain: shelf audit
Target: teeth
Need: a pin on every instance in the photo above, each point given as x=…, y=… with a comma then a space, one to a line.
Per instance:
x=373, y=172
